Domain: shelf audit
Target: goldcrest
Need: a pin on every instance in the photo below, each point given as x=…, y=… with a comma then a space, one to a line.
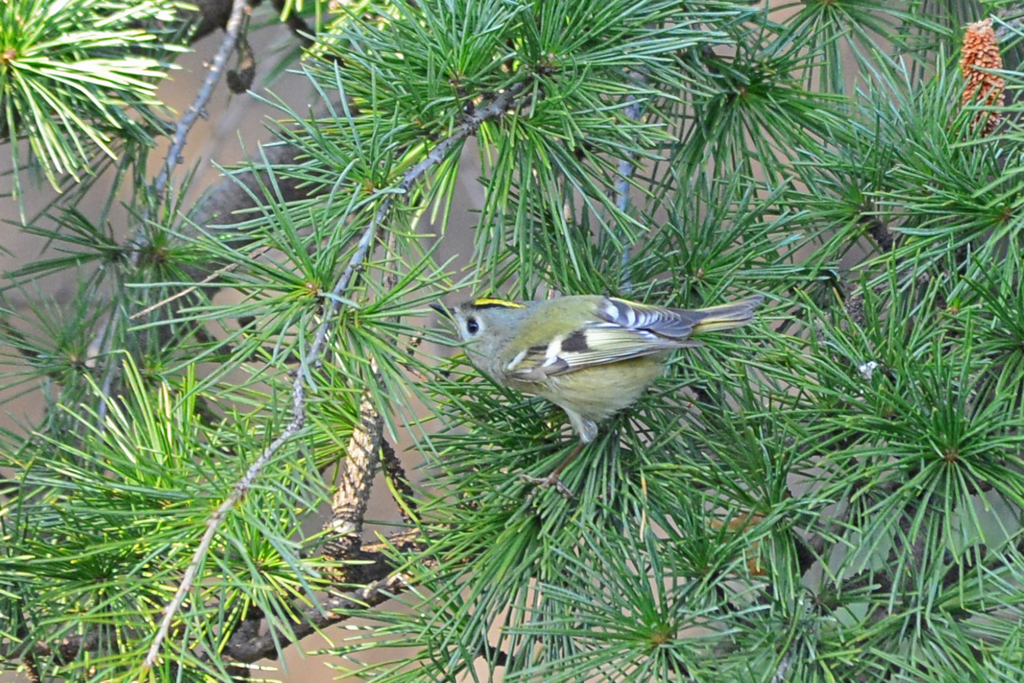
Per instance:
x=590, y=355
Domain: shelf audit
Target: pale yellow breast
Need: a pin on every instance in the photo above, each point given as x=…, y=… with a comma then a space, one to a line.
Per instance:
x=599, y=391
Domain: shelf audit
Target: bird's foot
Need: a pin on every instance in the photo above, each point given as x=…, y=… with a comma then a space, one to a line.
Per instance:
x=547, y=482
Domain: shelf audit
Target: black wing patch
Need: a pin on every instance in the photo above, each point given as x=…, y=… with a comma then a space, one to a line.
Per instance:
x=576, y=342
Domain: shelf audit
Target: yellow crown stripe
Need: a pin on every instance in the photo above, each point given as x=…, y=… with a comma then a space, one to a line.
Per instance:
x=480, y=303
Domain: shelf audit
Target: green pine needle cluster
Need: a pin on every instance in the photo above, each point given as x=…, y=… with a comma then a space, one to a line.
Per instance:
x=79, y=77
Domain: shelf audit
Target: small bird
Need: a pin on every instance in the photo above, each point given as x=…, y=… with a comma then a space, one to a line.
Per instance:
x=590, y=355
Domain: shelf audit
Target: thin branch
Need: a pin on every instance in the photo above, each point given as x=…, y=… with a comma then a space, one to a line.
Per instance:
x=108, y=381
x=69, y=648
x=294, y=426
x=622, y=185
x=246, y=644
x=241, y=77
x=106, y=353
x=1008, y=24
x=198, y=108
x=241, y=487
x=495, y=109
x=350, y=500
x=626, y=165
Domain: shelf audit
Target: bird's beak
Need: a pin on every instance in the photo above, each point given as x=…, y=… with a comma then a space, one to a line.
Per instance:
x=443, y=310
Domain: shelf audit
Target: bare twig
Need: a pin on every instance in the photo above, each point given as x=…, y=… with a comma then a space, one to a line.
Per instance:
x=495, y=109
x=108, y=383
x=294, y=426
x=241, y=77
x=246, y=644
x=1010, y=22
x=106, y=349
x=626, y=165
x=626, y=169
x=350, y=500
x=227, y=45
x=241, y=487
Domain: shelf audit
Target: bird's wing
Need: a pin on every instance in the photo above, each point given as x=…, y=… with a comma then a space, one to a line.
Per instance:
x=678, y=323
x=673, y=323
x=621, y=330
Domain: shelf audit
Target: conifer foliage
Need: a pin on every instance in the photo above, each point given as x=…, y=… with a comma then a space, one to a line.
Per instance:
x=833, y=493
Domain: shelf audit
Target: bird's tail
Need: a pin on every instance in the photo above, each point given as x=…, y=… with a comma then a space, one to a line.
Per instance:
x=726, y=316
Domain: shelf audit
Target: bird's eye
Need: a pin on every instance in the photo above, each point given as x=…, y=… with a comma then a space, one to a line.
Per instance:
x=472, y=326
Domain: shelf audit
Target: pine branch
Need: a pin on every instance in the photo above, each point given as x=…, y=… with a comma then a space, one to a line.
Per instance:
x=350, y=500
x=213, y=524
x=137, y=242
x=622, y=185
x=381, y=583
x=198, y=107
x=495, y=109
x=834, y=427
x=375, y=571
x=349, y=504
